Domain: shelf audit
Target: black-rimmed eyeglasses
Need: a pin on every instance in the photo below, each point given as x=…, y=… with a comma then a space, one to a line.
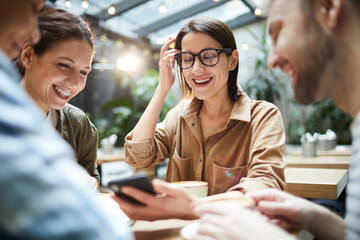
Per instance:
x=209, y=57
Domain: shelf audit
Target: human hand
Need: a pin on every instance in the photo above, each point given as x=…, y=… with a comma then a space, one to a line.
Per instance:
x=171, y=202
x=166, y=66
x=284, y=209
x=226, y=221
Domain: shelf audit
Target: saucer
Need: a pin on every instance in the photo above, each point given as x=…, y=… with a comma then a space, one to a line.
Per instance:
x=189, y=231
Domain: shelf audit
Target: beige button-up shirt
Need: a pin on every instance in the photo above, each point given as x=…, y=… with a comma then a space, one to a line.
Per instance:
x=244, y=155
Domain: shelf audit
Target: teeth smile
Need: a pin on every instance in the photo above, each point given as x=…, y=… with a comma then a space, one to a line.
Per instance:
x=202, y=80
x=62, y=92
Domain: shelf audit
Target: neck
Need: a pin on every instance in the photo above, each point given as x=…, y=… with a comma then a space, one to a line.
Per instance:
x=215, y=107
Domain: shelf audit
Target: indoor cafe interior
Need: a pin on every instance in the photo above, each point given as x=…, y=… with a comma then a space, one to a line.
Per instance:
x=125, y=75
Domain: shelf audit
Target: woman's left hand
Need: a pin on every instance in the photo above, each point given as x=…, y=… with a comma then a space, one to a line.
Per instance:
x=171, y=202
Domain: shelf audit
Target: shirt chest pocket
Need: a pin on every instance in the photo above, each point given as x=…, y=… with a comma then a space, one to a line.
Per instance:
x=180, y=168
x=224, y=178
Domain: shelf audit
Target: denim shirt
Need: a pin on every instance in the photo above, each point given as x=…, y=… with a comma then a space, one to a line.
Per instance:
x=42, y=192
x=353, y=187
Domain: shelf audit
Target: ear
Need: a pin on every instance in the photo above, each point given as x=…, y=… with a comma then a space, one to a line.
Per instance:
x=234, y=59
x=26, y=56
x=329, y=12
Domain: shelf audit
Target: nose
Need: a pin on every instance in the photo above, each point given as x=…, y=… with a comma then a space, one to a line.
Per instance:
x=273, y=59
x=198, y=66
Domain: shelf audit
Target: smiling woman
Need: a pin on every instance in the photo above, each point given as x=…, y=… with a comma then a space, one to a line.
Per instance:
x=216, y=133
x=54, y=71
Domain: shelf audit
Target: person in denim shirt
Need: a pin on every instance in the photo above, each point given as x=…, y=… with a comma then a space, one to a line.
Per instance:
x=42, y=193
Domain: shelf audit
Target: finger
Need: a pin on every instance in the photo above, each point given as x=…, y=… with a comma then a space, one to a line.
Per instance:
x=166, y=46
x=281, y=223
x=205, y=208
x=168, y=58
x=137, y=194
x=267, y=194
x=168, y=188
x=274, y=208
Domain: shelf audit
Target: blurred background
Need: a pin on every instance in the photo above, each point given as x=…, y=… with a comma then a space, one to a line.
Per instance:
x=130, y=34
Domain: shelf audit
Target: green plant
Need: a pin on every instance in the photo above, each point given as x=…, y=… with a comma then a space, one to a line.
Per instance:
x=264, y=83
x=318, y=117
x=120, y=115
x=326, y=115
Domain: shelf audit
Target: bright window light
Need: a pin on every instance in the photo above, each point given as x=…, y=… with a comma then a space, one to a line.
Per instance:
x=129, y=62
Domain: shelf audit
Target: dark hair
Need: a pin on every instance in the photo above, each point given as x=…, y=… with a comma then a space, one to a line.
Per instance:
x=57, y=26
x=222, y=33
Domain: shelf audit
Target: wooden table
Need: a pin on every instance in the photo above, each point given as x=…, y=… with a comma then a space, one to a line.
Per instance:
x=340, y=150
x=118, y=155
x=159, y=230
x=334, y=162
x=316, y=182
x=170, y=230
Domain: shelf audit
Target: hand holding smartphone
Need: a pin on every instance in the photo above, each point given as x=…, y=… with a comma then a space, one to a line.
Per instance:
x=141, y=182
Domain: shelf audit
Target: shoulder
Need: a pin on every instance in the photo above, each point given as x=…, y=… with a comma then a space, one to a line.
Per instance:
x=75, y=115
x=262, y=107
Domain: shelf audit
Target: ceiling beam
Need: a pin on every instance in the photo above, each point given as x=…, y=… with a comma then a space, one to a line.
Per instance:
x=174, y=18
x=121, y=7
x=250, y=5
x=243, y=20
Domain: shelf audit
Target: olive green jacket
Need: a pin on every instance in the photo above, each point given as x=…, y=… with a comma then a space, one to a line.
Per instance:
x=77, y=129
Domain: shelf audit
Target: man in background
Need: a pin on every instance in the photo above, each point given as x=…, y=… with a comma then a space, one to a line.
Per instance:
x=42, y=192
x=316, y=42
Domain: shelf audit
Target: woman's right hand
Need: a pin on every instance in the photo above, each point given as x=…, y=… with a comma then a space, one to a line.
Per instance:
x=166, y=66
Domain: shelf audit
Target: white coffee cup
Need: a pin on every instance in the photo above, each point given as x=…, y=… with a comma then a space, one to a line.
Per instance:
x=194, y=188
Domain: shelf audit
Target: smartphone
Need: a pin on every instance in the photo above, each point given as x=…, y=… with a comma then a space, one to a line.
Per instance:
x=141, y=182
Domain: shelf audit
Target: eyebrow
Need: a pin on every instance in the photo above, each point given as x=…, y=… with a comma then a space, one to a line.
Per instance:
x=68, y=59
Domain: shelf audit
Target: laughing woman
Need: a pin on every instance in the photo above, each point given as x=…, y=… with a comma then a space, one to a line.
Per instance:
x=216, y=133
x=54, y=71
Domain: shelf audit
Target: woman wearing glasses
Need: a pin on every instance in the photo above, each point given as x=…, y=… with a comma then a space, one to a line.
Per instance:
x=215, y=134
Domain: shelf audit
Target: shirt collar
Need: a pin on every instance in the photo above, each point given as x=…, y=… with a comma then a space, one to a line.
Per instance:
x=241, y=110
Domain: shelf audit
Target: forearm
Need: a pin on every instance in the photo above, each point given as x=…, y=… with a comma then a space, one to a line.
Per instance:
x=145, y=128
x=327, y=225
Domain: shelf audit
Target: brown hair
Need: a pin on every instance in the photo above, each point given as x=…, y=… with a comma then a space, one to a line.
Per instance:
x=222, y=33
x=57, y=26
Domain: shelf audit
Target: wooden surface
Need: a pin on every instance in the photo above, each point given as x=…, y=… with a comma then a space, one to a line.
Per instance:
x=340, y=150
x=170, y=230
x=335, y=162
x=117, y=155
x=159, y=230
x=316, y=182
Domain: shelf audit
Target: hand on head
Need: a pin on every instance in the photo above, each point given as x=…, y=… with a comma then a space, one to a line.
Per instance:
x=166, y=65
